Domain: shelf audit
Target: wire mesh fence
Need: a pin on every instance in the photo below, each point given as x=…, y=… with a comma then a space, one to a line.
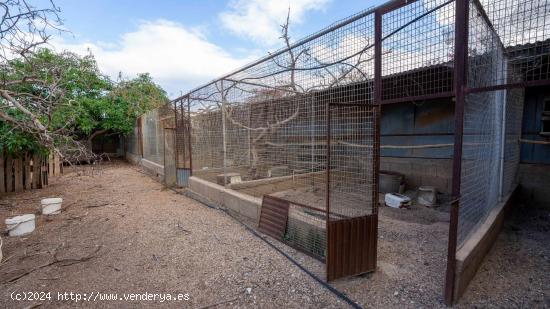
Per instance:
x=301, y=125
x=503, y=50
x=133, y=140
x=153, y=124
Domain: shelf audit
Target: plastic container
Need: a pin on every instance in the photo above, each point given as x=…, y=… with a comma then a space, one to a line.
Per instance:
x=427, y=196
x=51, y=206
x=20, y=225
x=397, y=200
x=390, y=182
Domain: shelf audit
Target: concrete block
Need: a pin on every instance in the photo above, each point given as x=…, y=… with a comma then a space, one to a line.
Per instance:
x=152, y=167
x=439, y=183
x=444, y=171
x=207, y=189
x=234, y=201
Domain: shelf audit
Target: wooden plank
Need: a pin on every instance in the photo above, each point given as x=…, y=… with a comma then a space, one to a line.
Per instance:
x=35, y=171
x=2, y=175
x=18, y=174
x=9, y=174
x=44, y=172
x=50, y=164
x=27, y=181
x=56, y=167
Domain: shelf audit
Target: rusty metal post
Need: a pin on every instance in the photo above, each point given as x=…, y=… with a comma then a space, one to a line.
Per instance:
x=327, y=214
x=182, y=133
x=177, y=130
x=189, y=136
x=377, y=114
x=460, y=75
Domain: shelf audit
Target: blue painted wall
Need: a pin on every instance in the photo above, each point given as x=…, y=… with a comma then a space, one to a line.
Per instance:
x=422, y=123
x=532, y=112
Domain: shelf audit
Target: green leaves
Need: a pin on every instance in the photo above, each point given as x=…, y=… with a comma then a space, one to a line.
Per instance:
x=84, y=100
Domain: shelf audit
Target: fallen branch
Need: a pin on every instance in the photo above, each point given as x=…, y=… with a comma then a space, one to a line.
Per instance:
x=33, y=306
x=78, y=217
x=56, y=261
x=99, y=205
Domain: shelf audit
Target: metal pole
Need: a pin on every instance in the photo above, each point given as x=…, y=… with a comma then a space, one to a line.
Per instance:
x=502, y=135
x=176, y=143
x=460, y=71
x=327, y=214
x=377, y=114
x=224, y=137
x=189, y=136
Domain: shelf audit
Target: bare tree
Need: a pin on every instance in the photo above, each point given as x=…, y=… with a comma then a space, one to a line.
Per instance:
x=298, y=73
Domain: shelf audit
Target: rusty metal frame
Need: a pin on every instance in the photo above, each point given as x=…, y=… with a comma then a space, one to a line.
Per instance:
x=460, y=78
x=459, y=91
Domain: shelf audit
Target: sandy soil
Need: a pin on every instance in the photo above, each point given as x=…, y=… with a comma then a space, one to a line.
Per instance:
x=140, y=237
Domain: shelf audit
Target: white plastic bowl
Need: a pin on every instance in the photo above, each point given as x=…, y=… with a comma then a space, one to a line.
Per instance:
x=51, y=206
x=20, y=225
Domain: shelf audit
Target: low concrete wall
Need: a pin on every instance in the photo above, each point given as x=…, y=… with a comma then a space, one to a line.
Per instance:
x=421, y=172
x=534, y=180
x=153, y=168
x=238, y=203
x=472, y=253
x=149, y=167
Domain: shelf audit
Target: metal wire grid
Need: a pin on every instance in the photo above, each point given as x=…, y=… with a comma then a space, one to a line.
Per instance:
x=132, y=142
x=268, y=120
x=512, y=134
x=352, y=160
x=169, y=157
x=417, y=50
x=492, y=119
x=153, y=124
x=480, y=160
x=517, y=28
x=263, y=130
x=183, y=157
x=487, y=63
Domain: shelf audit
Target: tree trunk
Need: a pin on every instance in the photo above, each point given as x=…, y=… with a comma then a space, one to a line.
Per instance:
x=91, y=137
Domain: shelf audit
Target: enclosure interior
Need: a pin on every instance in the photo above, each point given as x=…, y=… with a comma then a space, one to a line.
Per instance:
x=301, y=124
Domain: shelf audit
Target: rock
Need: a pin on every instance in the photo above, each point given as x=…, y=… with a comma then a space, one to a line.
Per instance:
x=248, y=290
x=395, y=293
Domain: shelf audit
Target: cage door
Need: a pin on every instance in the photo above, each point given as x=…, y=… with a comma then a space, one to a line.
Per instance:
x=169, y=157
x=351, y=206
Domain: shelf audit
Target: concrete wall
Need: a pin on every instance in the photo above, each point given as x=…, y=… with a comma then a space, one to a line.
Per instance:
x=240, y=204
x=152, y=168
x=421, y=171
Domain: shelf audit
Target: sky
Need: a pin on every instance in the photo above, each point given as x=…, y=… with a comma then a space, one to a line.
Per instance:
x=184, y=44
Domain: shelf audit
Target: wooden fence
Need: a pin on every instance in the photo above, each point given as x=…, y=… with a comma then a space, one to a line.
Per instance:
x=24, y=172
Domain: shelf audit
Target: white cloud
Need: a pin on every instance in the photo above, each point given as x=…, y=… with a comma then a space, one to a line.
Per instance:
x=260, y=20
x=178, y=58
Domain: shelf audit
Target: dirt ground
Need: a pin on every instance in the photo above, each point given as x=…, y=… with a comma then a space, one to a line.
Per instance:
x=122, y=232
x=150, y=240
